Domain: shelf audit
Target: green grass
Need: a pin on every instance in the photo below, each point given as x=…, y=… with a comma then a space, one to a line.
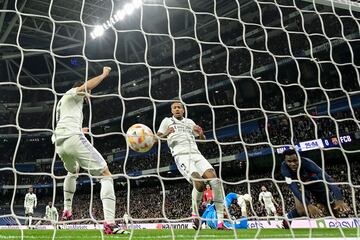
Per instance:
x=323, y=233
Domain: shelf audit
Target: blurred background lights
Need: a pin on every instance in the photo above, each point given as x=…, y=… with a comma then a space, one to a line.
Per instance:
x=128, y=9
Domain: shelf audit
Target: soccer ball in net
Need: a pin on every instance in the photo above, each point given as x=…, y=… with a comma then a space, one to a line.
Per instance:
x=140, y=138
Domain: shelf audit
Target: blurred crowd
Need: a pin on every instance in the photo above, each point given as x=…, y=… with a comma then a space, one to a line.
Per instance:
x=278, y=131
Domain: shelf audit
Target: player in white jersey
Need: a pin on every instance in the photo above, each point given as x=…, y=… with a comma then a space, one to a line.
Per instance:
x=180, y=133
x=76, y=151
x=267, y=200
x=126, y=220
x=51, y=215
x=30, y=203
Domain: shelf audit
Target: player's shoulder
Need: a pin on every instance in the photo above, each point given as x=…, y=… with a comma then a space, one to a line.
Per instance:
x=189, y=120
x=167, y=119
x=71, y=91
x=307, y=160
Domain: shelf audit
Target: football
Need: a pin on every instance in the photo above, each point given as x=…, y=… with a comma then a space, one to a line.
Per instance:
x=140, y=138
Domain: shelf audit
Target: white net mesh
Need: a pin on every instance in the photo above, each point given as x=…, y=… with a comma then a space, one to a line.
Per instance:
x=257, y=76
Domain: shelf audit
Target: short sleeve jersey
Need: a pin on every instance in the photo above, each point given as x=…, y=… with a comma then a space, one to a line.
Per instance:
x=69, y=115
x=30, y=200
x=266, y=197
x=182, y=140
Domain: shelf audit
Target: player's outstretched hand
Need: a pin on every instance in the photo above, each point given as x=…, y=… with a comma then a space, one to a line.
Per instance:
x=106, y=71
x=170, y=130
x=198, y=130
x=314, y=212
x=341, y=206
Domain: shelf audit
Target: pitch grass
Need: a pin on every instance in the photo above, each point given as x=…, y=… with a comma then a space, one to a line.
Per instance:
x=324, y=233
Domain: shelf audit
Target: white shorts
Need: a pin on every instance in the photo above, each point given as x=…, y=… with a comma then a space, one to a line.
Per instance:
x=77, y=151
x=190, y=163
x=29, y=210
x=270, y=208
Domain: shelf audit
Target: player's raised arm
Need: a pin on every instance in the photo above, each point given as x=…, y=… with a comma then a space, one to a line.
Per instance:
x=92, y=83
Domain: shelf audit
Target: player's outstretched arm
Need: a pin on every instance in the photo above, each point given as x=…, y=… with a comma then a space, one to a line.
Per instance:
x=333, y=188
x=92, y=83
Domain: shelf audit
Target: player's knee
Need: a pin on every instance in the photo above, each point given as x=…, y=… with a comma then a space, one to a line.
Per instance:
x=210, y=173
x=200, y=186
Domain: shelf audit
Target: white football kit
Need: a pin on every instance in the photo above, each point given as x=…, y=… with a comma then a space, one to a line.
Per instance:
x=71, y=144
x=241, y=201
x=183, y=146
x=51, y=214
x=126, y=219
x=267, y=198
x=29, y=203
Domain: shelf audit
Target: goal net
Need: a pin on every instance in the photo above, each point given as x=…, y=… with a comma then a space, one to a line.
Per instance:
x=260, y=77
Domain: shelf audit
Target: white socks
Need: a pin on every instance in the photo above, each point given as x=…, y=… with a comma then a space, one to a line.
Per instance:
x=69, y=190
x=107, y=195
x=218, y=199
x=196, y=197
x=30, y=221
